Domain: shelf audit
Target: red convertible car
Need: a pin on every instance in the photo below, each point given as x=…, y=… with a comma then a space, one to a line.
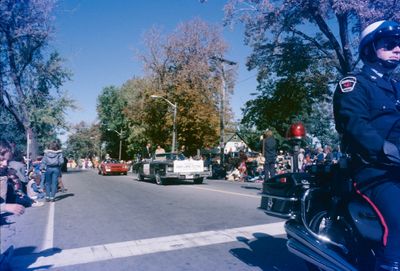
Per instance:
x=112, y=166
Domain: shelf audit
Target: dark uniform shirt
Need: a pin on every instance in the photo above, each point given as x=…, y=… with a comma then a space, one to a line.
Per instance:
x=269, y=148
x=366, y=109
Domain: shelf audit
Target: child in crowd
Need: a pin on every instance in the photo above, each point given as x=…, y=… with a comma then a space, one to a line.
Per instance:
x=60, y=186
x=33, y=188
x=15, y=193
x=242, y=170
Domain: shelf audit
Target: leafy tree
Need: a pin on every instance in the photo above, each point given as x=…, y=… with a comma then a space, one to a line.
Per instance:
x=319, y=123
x=110, y=107
x=327, y=27
x=28, y=72
x=84, y=142
x=11, y=131
x=300, y=49
x=181, y=69
x=133, y=92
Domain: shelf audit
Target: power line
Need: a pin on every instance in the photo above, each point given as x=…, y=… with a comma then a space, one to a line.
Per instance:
x=248, y=78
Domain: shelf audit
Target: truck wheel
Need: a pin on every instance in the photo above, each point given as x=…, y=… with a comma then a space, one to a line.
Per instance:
x=198, y=180
x=160, y=180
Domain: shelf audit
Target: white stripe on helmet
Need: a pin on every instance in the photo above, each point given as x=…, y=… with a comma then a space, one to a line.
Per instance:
x=371, y=28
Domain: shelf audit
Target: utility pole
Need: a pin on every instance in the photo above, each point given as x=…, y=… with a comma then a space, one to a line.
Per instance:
x=174, y=106
x=28, y=146
x=120, y=145
x=120, y=141
x=222, y=104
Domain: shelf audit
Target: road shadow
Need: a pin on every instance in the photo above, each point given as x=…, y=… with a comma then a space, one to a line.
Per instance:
x=171, y=182
x=251, y=187
x=184, y=182
x=268, y=253
x=63, y=196
x=22, y=258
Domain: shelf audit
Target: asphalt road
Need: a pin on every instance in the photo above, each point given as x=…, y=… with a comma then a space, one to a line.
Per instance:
x=119, y=223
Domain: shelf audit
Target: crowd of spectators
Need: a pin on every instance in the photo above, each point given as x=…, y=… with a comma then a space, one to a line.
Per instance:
x=28, y=186
x=250, y=166
x=25, y=183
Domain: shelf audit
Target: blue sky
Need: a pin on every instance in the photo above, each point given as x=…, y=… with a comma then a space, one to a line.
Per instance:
x=98, y=39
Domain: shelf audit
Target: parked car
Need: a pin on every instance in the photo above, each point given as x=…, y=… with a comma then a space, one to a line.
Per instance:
x=113, y=166
x=169, y=166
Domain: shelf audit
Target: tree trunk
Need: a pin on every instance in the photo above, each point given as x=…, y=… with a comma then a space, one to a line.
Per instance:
x=32, y=145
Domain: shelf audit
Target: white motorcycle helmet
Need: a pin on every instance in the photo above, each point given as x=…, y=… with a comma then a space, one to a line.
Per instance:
x=371, y=34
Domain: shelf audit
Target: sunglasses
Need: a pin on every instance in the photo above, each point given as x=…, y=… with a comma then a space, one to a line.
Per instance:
x=390, y=44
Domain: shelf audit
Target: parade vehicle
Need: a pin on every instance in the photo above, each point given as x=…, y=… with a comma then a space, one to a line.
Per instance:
x=171, y=166
x=113, y=166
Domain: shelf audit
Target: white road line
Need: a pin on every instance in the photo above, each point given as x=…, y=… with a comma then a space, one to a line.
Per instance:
x=225, y=192
x=111, y=251
x=49, y=232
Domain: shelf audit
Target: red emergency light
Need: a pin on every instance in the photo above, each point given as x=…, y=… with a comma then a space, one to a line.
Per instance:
x=296, y=131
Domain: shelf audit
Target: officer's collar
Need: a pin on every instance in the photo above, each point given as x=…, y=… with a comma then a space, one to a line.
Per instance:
x=371, y=72
x=376, y=76
x=377, y=73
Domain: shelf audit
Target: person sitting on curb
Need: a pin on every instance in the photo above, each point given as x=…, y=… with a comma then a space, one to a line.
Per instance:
x=15, y=193
x=33, y=188
x=13, y=208
x=5, y=155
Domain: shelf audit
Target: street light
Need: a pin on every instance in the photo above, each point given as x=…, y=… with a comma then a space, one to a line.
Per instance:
x=120, y=142
x=174, y=106
x=222, y=61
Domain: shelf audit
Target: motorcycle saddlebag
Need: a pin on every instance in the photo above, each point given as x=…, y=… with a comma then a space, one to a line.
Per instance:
x=280, y=196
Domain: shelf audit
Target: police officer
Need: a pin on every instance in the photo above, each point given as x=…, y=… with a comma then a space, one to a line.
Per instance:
x=367, y=115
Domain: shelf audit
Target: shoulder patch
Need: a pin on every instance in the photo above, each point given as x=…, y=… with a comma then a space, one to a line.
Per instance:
x=348, y=83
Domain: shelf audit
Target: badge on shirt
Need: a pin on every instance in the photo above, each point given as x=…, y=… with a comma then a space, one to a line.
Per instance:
x=347, y=84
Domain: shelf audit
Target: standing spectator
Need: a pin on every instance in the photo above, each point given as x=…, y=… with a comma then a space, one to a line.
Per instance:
x=60, y=184
x=242, y=166
x=320, y=157
x=328, y=155
x=52, y=159
x=269, y=151
x=260, y=166
x=300, y=159
x=147, y=152
x=336, y=154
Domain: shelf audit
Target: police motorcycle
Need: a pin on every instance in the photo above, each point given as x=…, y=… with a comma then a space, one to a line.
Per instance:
x=329, y=224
